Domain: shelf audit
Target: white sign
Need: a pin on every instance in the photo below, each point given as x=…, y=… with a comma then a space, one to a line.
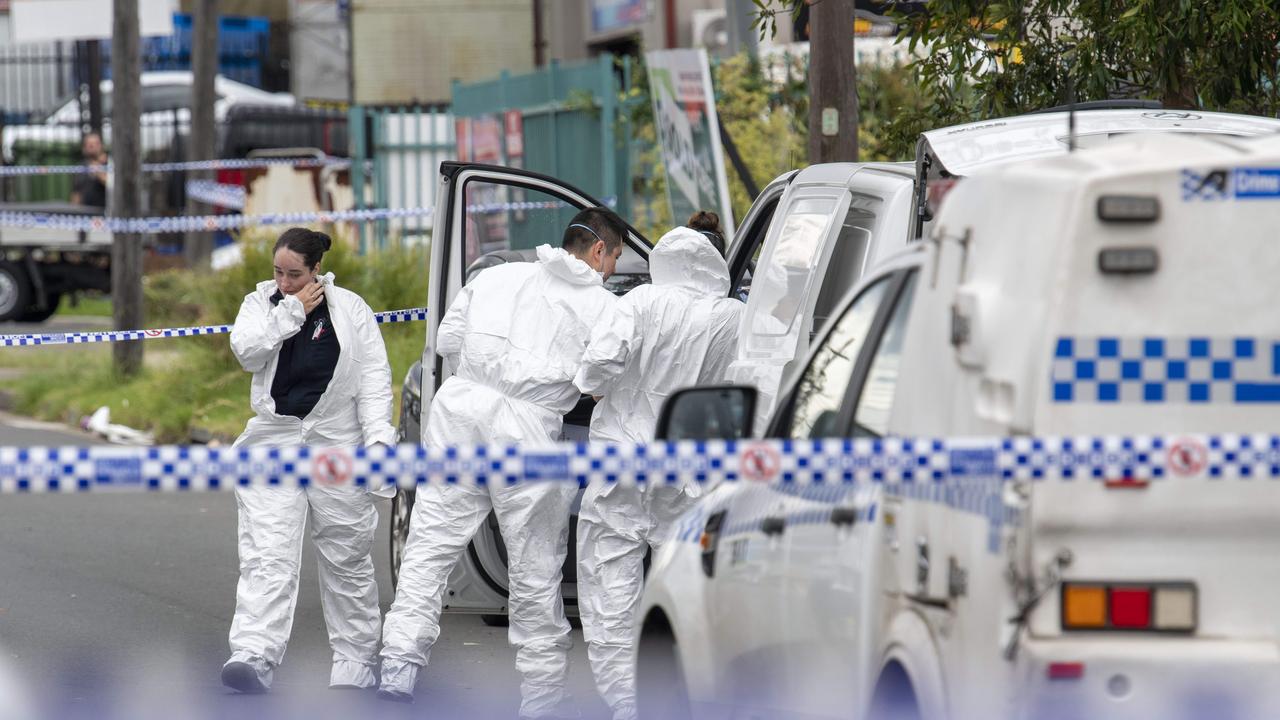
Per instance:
x=44, y=20
x=684, y=110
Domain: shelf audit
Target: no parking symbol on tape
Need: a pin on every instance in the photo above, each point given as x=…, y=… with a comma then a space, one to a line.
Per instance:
x=760, y=463
x=332, y=467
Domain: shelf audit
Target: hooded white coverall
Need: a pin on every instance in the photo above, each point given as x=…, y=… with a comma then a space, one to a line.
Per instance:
x=515, y=335
x=354, y=410
x=680, y=331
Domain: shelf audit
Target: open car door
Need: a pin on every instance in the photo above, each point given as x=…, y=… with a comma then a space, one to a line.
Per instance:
x=484, y=213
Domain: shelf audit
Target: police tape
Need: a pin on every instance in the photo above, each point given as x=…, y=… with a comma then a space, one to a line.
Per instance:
x=215, y=193
x=207, y=223
x=942, y=470
x=213, y=223
x=228, y=164
x=75, y=338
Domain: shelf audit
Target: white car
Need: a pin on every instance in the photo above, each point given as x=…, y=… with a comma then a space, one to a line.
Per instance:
x=166, y=107
x=1122, y=290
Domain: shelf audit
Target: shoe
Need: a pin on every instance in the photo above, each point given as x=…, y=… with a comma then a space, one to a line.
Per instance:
x=243, y=678
x=396, y=696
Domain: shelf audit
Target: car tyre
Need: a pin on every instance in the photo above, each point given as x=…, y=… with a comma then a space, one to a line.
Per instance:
x=401, y=511
x=15, y=291
x=660, y=688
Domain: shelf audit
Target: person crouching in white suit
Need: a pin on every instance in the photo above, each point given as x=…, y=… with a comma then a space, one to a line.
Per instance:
x=679, y=331
x=320, y=378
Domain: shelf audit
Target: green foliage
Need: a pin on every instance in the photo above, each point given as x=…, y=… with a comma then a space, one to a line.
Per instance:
x=196, y=382
x=765, y=108
x=993, y=59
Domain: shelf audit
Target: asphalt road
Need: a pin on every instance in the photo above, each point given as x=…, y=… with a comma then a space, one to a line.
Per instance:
x=115, y=606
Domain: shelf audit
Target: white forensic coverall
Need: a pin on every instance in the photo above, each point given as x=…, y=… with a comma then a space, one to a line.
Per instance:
x=354, y=410
x=680, y=331
x=515, y=335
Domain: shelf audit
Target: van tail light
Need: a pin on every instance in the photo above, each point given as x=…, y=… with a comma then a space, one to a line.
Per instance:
x=1129, y=607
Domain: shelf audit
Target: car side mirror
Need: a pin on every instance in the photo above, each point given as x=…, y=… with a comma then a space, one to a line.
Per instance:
x=722, y=412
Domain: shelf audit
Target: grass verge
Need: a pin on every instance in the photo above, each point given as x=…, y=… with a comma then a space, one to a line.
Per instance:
x=190, y=383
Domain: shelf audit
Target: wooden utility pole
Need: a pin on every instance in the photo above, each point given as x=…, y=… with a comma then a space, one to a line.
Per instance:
x=126, y=160
x=833, y=87
x=198, y=247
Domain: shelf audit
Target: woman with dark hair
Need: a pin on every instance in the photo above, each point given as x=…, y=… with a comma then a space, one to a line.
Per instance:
x=320, y=378
x=708, y=223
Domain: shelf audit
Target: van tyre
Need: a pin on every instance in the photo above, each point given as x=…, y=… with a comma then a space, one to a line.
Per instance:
x=15, y=292
x=895, y=696
x=51, y=302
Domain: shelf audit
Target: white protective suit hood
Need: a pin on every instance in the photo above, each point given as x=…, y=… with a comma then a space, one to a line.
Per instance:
x=566, y=266
x=686, y=258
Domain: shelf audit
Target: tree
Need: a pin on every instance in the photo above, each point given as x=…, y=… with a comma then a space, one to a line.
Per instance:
x=833, y=96
x=985, y=58
x=126, y=152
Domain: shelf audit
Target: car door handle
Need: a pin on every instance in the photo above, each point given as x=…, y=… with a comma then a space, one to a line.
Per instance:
x=844, y=516
x=773, y=525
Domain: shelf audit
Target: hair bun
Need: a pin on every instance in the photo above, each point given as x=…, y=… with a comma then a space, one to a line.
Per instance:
x=326, y=241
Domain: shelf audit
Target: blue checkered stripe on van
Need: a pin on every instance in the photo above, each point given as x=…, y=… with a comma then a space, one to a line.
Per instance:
x=1112, y=369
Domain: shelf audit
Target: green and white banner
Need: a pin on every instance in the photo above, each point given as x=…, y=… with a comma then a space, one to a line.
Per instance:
x=684, y=110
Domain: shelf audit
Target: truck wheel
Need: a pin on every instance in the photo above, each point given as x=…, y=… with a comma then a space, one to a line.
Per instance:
x=15, y=291
x=401, y=509
x=51, y=306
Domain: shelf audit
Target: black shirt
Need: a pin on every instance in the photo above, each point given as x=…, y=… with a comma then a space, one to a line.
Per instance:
x=92, y=191
x=306, y=365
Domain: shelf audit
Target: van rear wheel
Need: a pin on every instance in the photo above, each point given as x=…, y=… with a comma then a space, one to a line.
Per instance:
x=15, y=291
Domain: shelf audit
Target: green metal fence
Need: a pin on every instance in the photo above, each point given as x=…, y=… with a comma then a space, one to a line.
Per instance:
x=396, y=154
x=566, y=117
x=573, y=129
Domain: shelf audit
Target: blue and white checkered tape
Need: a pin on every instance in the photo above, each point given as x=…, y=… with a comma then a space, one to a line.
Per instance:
x=211, y=223
x=228, y=164
x=958, y=472
x=75, y=338
x=1114, y=369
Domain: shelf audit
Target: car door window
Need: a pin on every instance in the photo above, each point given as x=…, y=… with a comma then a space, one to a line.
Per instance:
x=875, y=401
x=784, y=273
x=749, y=243
x=825, y=383
x=848, y=258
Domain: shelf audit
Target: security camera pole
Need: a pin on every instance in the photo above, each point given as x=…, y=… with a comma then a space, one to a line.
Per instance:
x=833, y=87
x=126, y=160
x=204, y=68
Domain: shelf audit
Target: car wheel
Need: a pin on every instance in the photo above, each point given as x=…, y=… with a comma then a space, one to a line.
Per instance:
x=401, y=510
x=495, y=620
x=50, y=307
x=660, y=687
x=15, y=291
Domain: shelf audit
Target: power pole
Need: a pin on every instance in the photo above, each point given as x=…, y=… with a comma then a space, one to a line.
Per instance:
x=198, y=247
x=833, y=87
x=126, y=150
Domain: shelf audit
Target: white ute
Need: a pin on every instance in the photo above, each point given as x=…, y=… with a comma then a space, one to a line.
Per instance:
x=1121, y=290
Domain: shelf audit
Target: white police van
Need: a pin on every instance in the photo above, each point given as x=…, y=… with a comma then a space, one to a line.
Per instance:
x=1121, y=290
